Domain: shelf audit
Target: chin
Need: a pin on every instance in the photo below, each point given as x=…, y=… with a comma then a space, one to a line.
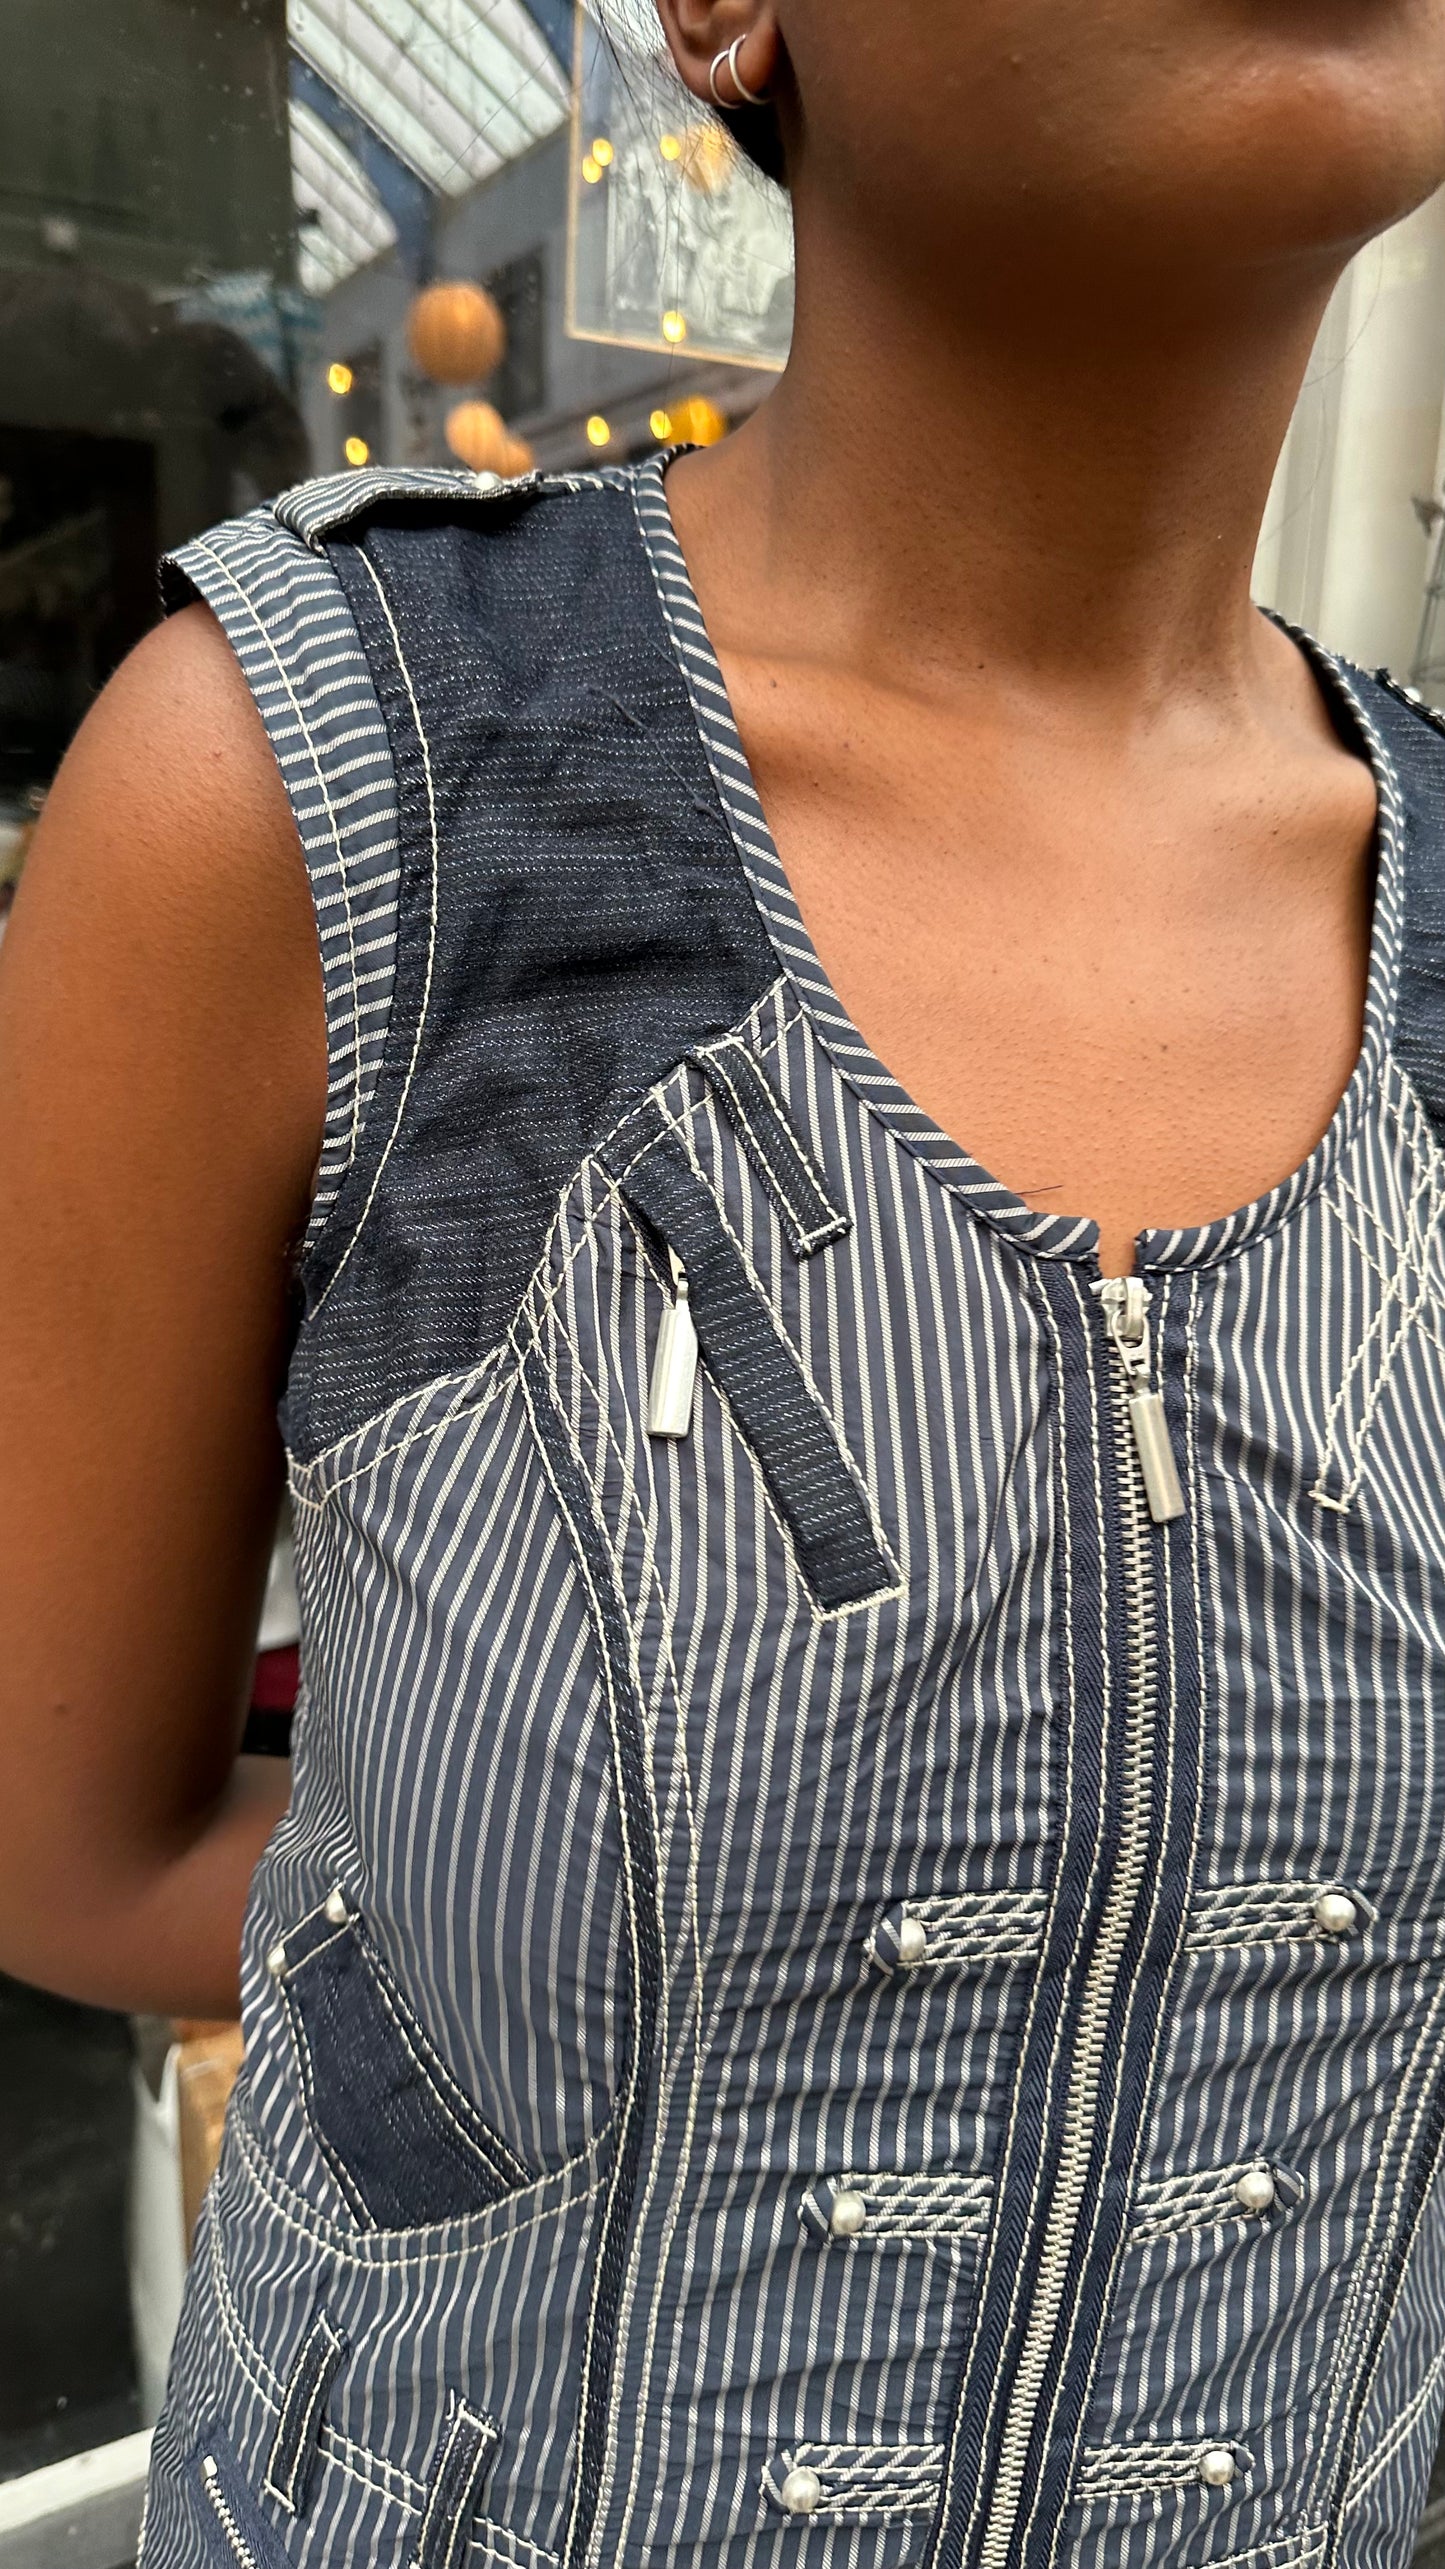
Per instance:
x=1337, y=126
x=1310, y=161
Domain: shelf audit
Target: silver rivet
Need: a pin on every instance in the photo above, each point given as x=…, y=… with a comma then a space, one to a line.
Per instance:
x=1335, y=1913
x=912, y=1942
x=1256, y=2191
x=849, y=2214
x=210, y=2469
x=336, y=1908
x=1217, y=2467
x=802, y=2491
x=276, y=1961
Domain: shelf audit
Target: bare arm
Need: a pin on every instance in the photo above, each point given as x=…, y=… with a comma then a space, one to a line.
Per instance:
x=162, y=1092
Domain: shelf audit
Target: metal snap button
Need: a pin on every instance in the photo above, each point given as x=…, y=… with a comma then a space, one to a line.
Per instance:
x=912, y=1942
x=336, y=1908
x=1256, y=2191
x=1336, y=1913
x=802, y=2491
x=849, y=2214
x=276, y=1961
x=1217, y=2467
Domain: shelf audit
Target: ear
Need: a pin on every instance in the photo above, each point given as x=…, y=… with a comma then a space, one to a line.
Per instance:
x=699, y=34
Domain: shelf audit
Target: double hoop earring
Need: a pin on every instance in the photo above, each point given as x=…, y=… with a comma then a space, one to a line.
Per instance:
x=745, y=97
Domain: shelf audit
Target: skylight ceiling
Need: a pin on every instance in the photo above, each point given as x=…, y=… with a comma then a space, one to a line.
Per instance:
x=456, y=87
x=343, y=225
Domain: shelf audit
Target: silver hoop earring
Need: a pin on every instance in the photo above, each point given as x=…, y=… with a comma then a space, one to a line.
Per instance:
x=745, y=97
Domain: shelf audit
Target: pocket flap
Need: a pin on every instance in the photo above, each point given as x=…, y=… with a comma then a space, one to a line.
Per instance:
x=773, y=1144
x=840, y=1550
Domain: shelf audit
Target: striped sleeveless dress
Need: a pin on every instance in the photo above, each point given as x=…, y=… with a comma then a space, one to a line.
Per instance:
x=856, y=1969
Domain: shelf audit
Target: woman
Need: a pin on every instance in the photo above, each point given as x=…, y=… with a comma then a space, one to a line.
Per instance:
x=855, y=1955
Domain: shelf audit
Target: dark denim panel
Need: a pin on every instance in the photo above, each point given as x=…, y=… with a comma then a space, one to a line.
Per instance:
x=1413, y=734
x=774, y=1145
x=403, y=2142
x=236, y=2534
x=454, y=2488
x=796, y=1444
x=303, y=2405
x=574, y=915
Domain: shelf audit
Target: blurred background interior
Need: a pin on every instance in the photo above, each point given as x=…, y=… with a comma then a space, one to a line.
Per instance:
x=246, y=240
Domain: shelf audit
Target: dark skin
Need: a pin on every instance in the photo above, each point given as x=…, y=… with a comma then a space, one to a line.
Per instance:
x=1071, y=826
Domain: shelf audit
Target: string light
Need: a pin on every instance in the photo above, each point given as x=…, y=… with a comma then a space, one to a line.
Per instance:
x=674, y=328
x=602, y=153
x=598, y=432
x=339, y=377
x=591, y=169
x=670, y=147
x=661, y=425
x=698, y=421
x=357, y=451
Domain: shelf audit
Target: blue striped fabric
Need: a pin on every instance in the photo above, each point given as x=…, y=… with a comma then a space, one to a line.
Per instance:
x=973, y=2055
x=291, y=630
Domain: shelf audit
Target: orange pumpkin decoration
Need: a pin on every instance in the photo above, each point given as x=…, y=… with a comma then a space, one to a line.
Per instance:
x=481, y=438
x=455, y=333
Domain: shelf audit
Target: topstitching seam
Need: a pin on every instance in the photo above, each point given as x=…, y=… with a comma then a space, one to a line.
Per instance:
x=391, y=1138
x=354, y=1075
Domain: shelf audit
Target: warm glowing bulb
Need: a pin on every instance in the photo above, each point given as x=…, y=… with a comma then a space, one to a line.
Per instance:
x=661, y=425
x=670, y=148
x=698, y=422
x=598, y=432
x=591, y=169
x=674, y=328
x=602, y=153
x=357, y=451
x=339, y=378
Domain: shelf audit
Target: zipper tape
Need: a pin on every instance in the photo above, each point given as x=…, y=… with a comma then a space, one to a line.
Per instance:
x=240, y=2538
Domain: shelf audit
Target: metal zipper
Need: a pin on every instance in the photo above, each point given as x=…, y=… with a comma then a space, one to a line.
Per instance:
x=211, y=2482
x=1146, y=1489
x=674, y=1365
x=1125, y=1304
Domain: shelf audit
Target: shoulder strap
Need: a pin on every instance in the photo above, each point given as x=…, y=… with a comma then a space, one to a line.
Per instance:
x=1414, y=734
x=336, y=503
x=285, y=615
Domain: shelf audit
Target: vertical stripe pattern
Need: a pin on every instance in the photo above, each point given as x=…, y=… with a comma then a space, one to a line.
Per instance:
x=967, y=2054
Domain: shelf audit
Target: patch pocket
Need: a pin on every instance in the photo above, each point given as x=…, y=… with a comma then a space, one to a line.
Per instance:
x=235, y=2534
x=404, y=2143
x=839, y=1548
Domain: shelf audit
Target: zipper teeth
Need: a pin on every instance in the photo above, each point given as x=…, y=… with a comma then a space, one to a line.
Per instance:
x=1131, y=1872
x=229, y=2526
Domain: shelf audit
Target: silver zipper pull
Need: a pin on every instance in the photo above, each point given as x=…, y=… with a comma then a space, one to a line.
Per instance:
x=674, y=1364
x=1126, y=1317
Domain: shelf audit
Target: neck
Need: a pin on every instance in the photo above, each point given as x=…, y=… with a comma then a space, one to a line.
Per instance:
x=1036, y=487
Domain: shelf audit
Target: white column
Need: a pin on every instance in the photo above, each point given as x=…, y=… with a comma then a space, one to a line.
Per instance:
x=1342, y=549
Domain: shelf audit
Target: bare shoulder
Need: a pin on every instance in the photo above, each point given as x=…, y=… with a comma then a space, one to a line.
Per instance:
x=171, y=793
x=163, y=1066
x=164, y=911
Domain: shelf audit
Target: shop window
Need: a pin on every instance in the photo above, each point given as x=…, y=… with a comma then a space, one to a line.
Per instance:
x=518, y=387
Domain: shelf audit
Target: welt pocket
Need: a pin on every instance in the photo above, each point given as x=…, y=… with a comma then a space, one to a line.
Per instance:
x=797, y=1447
x=404, y=2142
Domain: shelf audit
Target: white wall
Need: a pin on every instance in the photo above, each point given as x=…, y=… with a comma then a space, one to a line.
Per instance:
x=1343, y=550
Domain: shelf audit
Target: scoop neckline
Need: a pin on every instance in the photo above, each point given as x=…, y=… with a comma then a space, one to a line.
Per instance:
x=1070, y=1237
